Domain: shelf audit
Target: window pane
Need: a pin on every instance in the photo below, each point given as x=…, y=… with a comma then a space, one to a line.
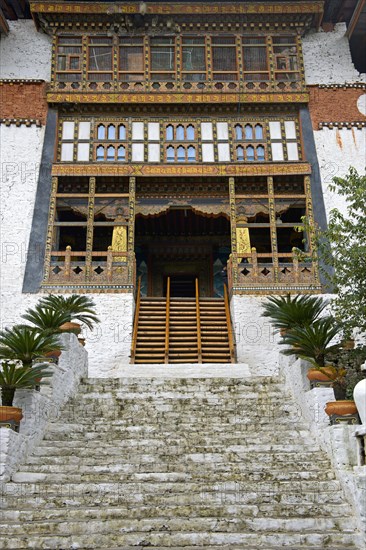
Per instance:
x=191, y=154
x=110, y=153
x=260, y=153
x=170, y=154
x=169, y=132
x=181, y=154
x=137, y=152
x=208, y=152
x=240, y=153
x=61, y=63
x=292, y=151
x=248, y=132
x=275, y=130
x=190, y=132
x=131, y=59
x=100, y=153
x=223, y=59
x=277, y=151
x=250, y=153
x=68, y=130
x=255, y=59
x=101, y=131
x=224, y=152
x=238, y=132
x=162, y=53
x=258, y=131
x=100, y=59
x=290, y=129
x=83, y=151
x=222, y=130
x=121, y=153
x=154, y=152
x=206, y=131
x=84, y=130
x=154, y=131
x=111, y=132
x=67, y=151
x=122, y=132
x=180, y=133
x=138, y=130
x=194, y=59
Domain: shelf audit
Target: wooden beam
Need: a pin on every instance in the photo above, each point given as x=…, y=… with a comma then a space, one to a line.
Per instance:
x=355, y=17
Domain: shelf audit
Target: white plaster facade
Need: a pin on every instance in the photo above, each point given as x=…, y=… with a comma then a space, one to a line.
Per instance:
x=27, y=54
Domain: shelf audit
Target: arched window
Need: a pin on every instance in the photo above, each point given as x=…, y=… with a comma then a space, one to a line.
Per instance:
x=101, y=131
x=170, y=153
x=121, y=154
x=260, y=153
x=191, y=153
x=238, y=132
x=169, y=133
x=122, y=132
x=248, y=131
x=258, y=131
x=110, y=153
x=180, y=133
x=240, y=153
x=181, y=154
x=100, y=151
x=190, y=132
x=111, y=132
x=250, y=153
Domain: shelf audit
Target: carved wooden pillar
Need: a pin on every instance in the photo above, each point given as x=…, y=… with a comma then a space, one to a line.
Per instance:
x=131, y=231
x=273, y=228
x=50, y=230
x=311, y=236
x=89, y=229
x=234, y=250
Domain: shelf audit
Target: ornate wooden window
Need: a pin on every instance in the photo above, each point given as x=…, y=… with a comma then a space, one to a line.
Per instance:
x=286, y=58
x=131, y=58
x=69, y=58
x=206, y=140
x=255, y=58
x=100, y=56
x=224, y=58
x=162, y=58
x=194, y=58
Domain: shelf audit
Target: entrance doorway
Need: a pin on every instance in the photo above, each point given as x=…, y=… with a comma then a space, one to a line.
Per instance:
x=181, y=286
x=184, y=245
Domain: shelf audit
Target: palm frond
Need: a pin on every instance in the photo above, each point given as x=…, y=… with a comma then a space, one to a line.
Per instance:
x=25, y=343
x=286, y=312
x=45, y=318
x=76, y=307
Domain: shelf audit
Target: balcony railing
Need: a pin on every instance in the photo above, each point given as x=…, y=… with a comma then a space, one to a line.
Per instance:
x=108, y=268
x=260, y=274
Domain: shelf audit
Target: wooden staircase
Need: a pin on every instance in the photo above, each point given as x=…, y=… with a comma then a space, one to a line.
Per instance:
x=182, y=330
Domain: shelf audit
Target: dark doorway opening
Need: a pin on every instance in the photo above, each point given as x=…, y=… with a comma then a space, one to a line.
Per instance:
x=181, y=286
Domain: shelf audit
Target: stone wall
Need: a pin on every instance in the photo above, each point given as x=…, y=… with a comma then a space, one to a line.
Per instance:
x=41, y=408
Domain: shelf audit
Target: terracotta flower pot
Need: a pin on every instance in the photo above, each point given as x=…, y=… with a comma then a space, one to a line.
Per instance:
x=325, y=375
x=340, y=408
x=55, y=353
x=75, y=328
x=10, y=413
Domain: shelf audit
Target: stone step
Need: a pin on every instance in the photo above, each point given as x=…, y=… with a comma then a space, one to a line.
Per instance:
x=197, y=525
x=136, y=512
x=164, y=539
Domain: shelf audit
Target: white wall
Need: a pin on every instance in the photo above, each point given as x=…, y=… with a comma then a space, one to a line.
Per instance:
x=25, y=53
x=327, y=57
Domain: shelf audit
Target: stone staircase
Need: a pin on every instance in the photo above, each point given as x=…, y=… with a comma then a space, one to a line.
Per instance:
x=218, y=463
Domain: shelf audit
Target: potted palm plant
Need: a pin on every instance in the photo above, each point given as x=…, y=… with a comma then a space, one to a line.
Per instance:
x=314, y=344
x=287, y=312
x=14, y=375
x=75, y=307
x=26, y=344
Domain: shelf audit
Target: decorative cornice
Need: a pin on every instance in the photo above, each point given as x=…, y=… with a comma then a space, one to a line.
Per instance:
x=19, y=121
x=21, y=81
x=339, y=125
x=361, y=85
